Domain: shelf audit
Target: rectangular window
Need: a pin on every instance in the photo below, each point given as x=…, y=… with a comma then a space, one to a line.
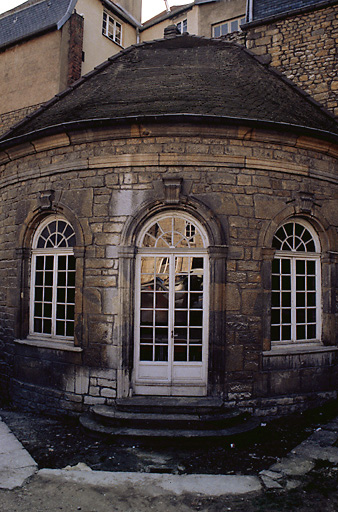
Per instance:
x=182, y=26
x=54, y=295
x=112, y=28
x=294, y=300
x=226, y=27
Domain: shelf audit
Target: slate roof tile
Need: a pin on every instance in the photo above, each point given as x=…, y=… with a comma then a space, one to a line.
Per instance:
x=182, y=75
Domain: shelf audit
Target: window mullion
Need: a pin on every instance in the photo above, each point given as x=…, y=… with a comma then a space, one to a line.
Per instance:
x=293, y=300
x=54, y=294
x=171, y=332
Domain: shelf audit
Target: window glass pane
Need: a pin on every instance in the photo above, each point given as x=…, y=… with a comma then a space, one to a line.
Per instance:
x=161, y=317
x=62, y=260
x=217, y=31
x=60, y=328
x=234, y=26
x=311, y=283
x=286, y=316
x=38, y=309
x=300, y=332
x=39, y=262
x=47, y=326
x=70, y=312
x=61, y=295
x=300, y=316
x=161, y=353
x=147, y=300
x=61, y=279
x=70, y=296
x=161, y=336
x=146, y=317
x=195, y=353
x=275, y=333
x=180, y=353
x=311, y=332
x=60, y=311
x=196, y=300
x=300, y=283
x=286, y=266
x=146, y=353
x=38, y=325
x=39, y=278
x=275, y=299
x=300, y=267
x=286, y=299
x=181, y=335
x=195, y=335
x=196, y=318
x=48, y=278
x=181, y=318
x=70, y=329
x=146, y=334
x=276, y=266
x=38, y=293
x=224, y=29
x=300, y=299
x=311, y=267
x=275, y=316
x=286, y=333
x=47, y=310
x=286, y=283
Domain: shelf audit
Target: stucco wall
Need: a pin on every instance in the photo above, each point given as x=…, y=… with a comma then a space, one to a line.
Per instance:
x=303, y=48
x=20, y=66
x=218, y=12
x=200, y=18
x=249, y=180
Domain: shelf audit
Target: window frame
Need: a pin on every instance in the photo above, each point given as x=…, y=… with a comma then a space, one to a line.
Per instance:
x=55, y=253
x=182, y=26
x=106, y=19
x=227, y=23
x=294, y=256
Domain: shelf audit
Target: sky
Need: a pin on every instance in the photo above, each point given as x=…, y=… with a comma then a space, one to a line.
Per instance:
x=150, y=7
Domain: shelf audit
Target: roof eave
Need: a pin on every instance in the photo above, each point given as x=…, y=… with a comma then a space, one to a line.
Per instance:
x=327, y=136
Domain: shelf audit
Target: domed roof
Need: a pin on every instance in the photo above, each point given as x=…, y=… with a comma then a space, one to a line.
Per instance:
x=182, y=75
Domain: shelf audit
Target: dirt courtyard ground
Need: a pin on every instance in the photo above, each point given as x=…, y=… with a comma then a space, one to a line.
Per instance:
x=57, y=443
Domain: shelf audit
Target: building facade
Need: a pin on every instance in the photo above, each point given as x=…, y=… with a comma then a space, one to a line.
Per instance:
x=164, y=237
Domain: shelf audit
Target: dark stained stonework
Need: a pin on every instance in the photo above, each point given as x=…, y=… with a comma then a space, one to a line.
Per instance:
x=236, y=164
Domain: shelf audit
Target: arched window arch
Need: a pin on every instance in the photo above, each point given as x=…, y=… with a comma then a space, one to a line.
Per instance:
x=52, y=296
x=296, y=284
x=172, y=278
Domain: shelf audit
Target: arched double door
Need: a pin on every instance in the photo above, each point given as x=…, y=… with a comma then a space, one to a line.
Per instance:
x=171, y=307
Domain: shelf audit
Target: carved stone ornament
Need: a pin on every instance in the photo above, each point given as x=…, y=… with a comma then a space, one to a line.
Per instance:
x=172, y=190
x=46, y=199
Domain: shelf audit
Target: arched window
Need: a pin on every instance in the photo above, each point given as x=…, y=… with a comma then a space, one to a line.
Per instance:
x=296, y=284
x=53, y=280
x=171, y=304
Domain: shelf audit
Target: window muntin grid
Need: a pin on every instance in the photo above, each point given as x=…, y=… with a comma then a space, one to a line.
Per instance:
x=111, y=28
x=53, y=280
x=295, y=290
x=171, y=308
x=172, y=232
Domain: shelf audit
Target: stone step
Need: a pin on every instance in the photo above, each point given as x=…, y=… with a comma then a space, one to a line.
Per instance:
x=179, y=419
x=97, y=429
x=169, y=404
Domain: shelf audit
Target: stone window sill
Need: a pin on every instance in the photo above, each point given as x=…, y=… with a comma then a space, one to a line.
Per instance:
x=67, y=346
x=305, y=348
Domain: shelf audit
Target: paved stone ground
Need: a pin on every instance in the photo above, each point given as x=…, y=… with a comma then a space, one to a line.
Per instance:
x=80, y=488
